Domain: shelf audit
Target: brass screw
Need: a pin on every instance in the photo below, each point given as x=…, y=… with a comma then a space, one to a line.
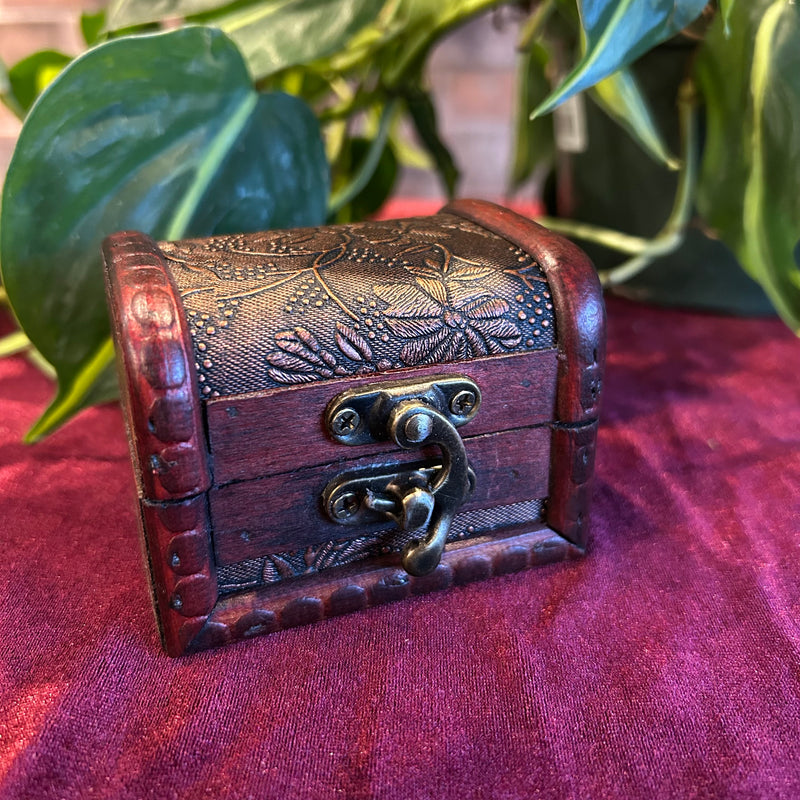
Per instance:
x=463, y=402
x=345, y=505
x=345, y=422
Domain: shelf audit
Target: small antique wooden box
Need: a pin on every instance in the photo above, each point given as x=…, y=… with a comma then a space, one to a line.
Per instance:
x=327, y=419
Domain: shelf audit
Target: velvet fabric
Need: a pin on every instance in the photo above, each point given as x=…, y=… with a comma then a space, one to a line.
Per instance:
x=666, y=664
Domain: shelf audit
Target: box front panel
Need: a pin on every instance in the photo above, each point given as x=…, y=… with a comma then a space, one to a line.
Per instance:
x=285, y=511
x=280, y=430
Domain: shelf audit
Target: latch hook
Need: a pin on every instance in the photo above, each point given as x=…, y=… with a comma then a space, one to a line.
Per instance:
x=412, y=414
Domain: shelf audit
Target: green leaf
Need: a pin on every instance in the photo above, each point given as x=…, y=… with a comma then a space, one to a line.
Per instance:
x=275, y=35
x=534, y=141
x=408, y=152
x=723, y=77
x=92, y=26
x=272, y=34
x=30, y=77
x=620, y=97
x=751, y=163
x=725, y=8
x=12, y=343
x=177, y=144
x=419, y=24
x=423, y=115
x=127, y=13
x=772, y=199
x=396, y=44
x=95, y=383
x=379, y=186
x=616, y=33
x=373, y=156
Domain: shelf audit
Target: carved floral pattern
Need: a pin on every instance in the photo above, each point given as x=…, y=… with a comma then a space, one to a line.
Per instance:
x=290, y=307
x=299, y=357
x=450, y=315
x=275, y=567
x=314, y=558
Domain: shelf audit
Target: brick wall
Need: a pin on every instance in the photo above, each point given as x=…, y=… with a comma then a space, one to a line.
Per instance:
x=471, y=75
x=35, y=25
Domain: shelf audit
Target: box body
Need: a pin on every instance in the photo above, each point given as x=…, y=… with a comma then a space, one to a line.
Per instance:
x=234, y=351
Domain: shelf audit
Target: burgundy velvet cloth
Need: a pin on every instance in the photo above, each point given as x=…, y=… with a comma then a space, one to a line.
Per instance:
x=665, y=664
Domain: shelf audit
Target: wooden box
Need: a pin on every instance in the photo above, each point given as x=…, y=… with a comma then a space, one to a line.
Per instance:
x=327, y=419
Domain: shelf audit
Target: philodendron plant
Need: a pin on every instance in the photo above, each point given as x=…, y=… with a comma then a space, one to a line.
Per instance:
x=194, y=117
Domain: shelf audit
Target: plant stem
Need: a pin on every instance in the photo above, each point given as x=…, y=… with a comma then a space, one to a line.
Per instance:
x=13, y=343
x=671, y=236
x=41, y=363
x=452, y=17
x=614, y=240
x=368, y=166
x=534, y=24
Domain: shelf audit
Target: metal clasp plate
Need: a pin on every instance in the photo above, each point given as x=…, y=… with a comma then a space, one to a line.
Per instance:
x=413, y=414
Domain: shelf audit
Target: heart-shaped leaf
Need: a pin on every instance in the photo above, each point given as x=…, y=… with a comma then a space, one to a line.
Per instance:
x=751, y=163
x=161, y=133
x=616, y=33
x=272, y=34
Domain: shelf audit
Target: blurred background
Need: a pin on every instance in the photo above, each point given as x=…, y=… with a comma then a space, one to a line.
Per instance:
x=471, y=74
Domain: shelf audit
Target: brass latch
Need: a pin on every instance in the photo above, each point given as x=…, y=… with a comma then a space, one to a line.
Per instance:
x=412, y=414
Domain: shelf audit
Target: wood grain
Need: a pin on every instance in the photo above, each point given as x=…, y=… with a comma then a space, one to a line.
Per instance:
x=283, y=512
x=282, y=429
x=571, y=476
